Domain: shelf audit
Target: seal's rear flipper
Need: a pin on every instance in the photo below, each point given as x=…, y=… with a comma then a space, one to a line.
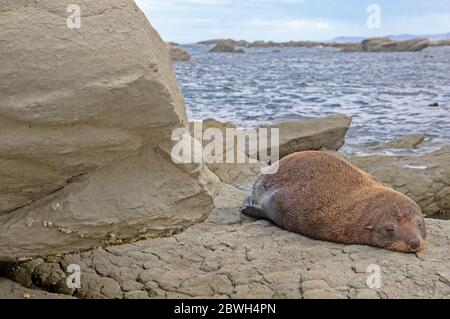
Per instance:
x=252, y=209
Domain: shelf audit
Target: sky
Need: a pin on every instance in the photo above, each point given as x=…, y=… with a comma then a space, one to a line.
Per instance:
x=190, y=21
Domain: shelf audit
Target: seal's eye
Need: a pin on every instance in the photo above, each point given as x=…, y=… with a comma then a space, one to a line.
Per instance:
x=419, y=225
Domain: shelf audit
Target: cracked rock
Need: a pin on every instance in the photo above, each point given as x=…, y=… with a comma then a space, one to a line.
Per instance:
x=210, y=260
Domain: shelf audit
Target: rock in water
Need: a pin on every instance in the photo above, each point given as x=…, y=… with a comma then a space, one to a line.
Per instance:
x=441, y=43
x=387, y=45
x=226, y=46
x=178, y=54
x=82, y=112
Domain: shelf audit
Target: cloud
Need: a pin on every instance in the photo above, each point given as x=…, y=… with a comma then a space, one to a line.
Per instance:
x=422, y=24
x=288, y=26
x=185, y=3
x=187, y=21
x=277, y=1
x=213, y=3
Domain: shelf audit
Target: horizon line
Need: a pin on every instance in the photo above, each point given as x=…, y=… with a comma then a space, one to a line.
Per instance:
x=411, y=35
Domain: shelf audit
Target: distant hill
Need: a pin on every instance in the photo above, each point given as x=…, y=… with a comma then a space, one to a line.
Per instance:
x=401, y=37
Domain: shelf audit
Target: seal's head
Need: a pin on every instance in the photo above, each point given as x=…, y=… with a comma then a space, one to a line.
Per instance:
x=400, y=226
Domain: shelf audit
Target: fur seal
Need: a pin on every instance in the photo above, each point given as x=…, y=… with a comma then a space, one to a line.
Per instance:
x=324, y=197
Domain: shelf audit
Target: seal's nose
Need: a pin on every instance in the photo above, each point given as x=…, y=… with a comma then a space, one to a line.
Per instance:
x=414, y=244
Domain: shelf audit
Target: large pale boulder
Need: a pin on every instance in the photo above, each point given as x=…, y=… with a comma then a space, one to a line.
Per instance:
x=84, y=113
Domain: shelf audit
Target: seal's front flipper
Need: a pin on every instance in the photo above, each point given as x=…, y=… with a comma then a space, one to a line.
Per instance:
x=252, y=209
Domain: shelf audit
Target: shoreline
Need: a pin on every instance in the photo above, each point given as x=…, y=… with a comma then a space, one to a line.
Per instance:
x=107, y=190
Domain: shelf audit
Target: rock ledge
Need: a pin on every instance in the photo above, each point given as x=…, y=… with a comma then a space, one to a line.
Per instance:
x=232, y=256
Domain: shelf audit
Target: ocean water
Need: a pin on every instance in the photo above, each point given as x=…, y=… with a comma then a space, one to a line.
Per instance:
x=387, y=94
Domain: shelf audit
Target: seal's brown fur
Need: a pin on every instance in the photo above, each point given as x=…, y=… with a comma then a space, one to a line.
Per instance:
x=324, y=197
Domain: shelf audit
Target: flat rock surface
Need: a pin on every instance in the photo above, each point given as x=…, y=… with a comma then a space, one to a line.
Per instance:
x=12, y=290
x=233, y=256
x=410, y=141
